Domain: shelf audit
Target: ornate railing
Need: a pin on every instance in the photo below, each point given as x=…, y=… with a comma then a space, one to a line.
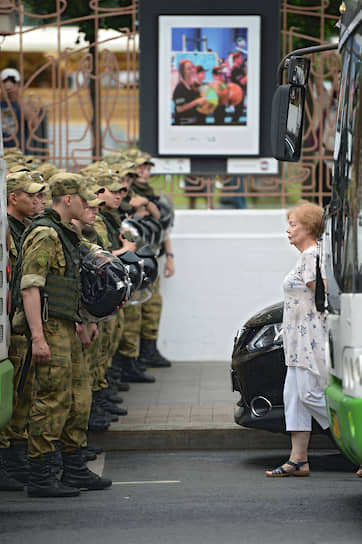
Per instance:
x=81, y=108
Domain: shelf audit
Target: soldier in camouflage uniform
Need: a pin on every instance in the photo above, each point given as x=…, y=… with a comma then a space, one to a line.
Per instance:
x=149, y=320
x=108, y=227
x=22, y=202
x=99, y=354
x=50, y=288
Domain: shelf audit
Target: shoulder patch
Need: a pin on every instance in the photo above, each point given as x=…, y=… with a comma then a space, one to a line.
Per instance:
x=42, y=257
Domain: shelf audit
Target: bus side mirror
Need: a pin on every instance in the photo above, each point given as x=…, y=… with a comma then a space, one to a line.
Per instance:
x=287, y=122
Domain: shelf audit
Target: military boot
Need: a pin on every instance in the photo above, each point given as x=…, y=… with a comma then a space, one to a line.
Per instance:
x=112, y=396
x=117, y=384
x=117, y=366
x=150, y=356
x=7, y=482
x=44, y=483
x=99, y=420
x=77, y=474
x=131, y=372
x=17, y=463
x=88, y=454
x=109, y=407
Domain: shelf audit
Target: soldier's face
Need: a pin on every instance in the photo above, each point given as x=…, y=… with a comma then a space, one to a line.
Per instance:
x=40, y=202
x=77, y=206
x=143, y=172
x=90, y=215
x=26, y=204
x=127, y=181
x=112, y=199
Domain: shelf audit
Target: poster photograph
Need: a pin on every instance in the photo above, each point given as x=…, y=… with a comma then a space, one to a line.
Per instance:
x=209, y=85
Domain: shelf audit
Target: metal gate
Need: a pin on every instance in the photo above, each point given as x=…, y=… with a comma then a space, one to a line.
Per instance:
x=83, y=99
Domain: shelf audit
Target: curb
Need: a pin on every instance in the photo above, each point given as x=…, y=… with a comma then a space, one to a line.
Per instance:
x=198, y=438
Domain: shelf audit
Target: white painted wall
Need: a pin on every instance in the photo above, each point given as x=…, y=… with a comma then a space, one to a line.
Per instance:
x=229, y=264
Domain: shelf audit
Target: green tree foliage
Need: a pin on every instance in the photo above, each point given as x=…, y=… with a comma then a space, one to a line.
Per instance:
x=311, y=26
x=80, y=8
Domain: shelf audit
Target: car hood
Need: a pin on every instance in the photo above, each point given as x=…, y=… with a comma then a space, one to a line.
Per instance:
x=270, y=314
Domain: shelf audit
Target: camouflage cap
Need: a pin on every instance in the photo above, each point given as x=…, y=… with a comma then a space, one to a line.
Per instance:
x=93, y=170
x=101, y=166
x=109, y=181
x=113, y=158
x=94, y=188
x=67, y=183
x=48, y=170
x=139, y=157
x=132, y=153
x=94, y=200
x=37, y=177
x=13, y=151
x=19, y=168
x=22, y=181
x=121, y=169
x=32, y=161
x=146, y=158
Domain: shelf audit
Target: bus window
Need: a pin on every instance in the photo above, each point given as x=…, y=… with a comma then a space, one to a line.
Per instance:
x=347, y=201
x=350, y=164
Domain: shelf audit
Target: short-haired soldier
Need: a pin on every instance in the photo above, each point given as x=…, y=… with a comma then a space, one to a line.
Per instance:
x=50, y=287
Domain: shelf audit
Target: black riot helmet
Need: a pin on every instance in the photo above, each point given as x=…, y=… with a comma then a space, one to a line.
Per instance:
x=136, y=229
x=148, y=234
x=135, y=269
x=150, y=265
x=133, y=226
x=156, y=227
x=105, y=283
x=167, y=214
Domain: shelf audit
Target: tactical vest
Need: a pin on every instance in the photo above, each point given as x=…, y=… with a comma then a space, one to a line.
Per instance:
x=17, y=229
x=92, y=236
x=61, y=294
x=112, y=226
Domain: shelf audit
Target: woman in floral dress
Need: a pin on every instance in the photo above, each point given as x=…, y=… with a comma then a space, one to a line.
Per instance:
x=304, y=338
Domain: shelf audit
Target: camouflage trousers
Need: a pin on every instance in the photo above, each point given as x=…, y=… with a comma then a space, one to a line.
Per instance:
x=92, y=355
x=151, y=314
x=16, y=429
x=129, y=343
x=110, y=334
x=61, y=395
x=141, y=321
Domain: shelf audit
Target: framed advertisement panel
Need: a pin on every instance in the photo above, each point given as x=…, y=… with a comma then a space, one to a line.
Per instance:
x=209, y=85
x=208, y=32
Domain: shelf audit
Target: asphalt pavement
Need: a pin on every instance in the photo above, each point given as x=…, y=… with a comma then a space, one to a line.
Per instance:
x=193, y=497
x=190, y=406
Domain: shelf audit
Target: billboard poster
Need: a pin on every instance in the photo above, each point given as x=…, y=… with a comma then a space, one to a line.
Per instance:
x=209, y=85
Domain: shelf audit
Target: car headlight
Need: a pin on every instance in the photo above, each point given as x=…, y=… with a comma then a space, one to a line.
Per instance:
x=270, y=335
x=238, y=334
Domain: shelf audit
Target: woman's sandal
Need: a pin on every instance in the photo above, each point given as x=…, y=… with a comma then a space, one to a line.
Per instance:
x=280, y=472
x=359, y=472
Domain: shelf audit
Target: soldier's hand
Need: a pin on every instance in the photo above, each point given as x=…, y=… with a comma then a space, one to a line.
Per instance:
x=169, y=268
x=93, y=332
x=138, y=201
x=83, y=335
x=128, y=246
x=40, y=350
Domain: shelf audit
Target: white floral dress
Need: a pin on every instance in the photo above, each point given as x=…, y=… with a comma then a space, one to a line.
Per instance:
x=304, y=328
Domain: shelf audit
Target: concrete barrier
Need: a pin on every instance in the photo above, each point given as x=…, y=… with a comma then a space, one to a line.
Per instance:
x=229, y=264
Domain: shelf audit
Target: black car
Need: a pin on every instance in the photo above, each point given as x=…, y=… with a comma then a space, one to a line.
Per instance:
x=258, y=371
